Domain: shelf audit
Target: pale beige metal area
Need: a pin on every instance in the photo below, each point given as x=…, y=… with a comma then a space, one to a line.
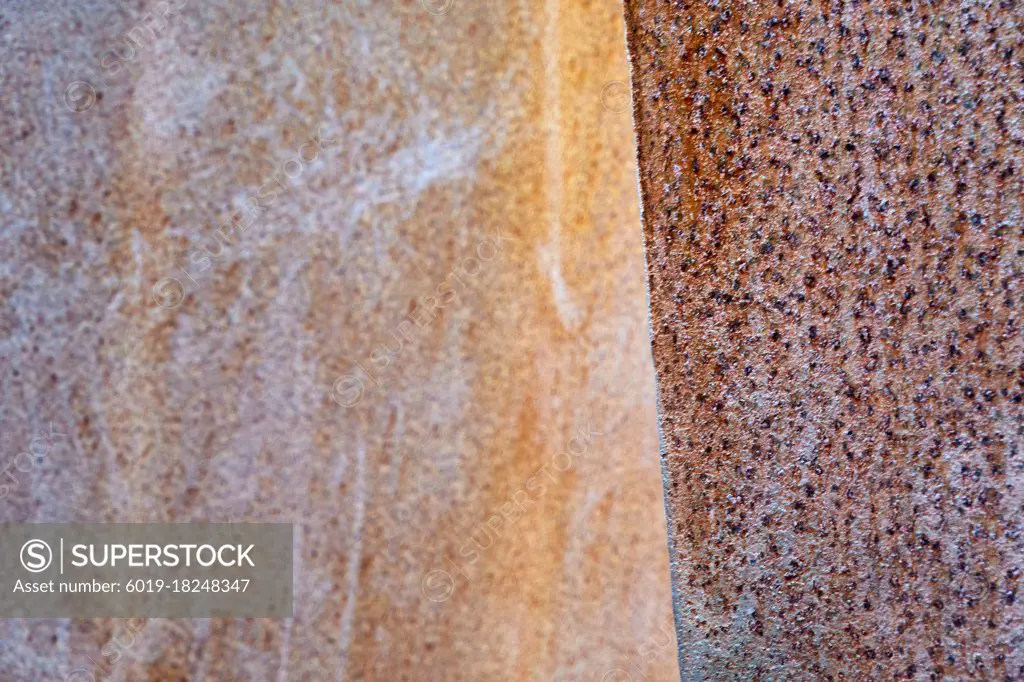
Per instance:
x=474, y=479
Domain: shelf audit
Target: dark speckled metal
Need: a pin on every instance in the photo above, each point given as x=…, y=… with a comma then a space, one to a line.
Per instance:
x=832, y=198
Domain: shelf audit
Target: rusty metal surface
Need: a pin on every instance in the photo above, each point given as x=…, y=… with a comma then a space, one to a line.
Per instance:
x=832, y=201
x=479, y=154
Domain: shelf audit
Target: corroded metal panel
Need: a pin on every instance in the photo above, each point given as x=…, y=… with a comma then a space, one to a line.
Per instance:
x=367, y=266
x=832, y=212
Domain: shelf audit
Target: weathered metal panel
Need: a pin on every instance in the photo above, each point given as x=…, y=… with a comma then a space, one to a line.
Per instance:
x=832, y=200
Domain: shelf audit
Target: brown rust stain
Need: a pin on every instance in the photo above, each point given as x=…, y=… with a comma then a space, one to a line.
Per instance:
x=451, y=128
x=832, y=201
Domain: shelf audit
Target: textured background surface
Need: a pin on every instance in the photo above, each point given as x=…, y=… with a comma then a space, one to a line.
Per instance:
x=219, y=398
x=832, y=201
